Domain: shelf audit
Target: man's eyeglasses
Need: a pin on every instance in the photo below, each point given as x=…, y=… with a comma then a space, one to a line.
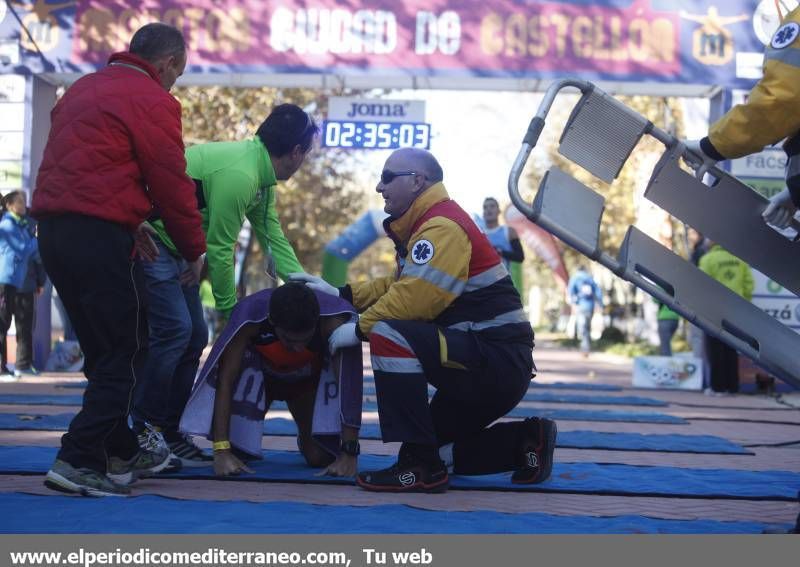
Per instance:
x=389, y=176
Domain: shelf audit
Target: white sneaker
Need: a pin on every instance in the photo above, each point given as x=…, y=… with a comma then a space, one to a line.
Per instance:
x=8, y=377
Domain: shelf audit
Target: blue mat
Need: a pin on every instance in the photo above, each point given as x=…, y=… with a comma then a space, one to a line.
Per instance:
x=32, y=421
x=546, y=397
x=579, y=440
x=73, y=385
x=369, y=387
x=41, y=400
x=598, y=415
x=573, y=478
x=369, y=384
x=26, y=513
x=559, y=398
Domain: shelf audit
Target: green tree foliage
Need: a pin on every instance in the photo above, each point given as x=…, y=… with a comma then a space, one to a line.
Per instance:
x=317, y=203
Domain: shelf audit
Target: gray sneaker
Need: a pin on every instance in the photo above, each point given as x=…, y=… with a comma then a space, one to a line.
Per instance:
x=143, y=464
x=63, y=477
x=150, y=438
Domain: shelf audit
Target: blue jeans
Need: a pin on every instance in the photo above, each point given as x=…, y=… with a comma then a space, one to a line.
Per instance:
x=583, y=323
x=178, y=335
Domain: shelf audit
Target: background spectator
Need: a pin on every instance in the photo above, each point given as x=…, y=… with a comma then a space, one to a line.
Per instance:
x=585, y=294
x=24, y=307
x=17, y=245
x=734, y=274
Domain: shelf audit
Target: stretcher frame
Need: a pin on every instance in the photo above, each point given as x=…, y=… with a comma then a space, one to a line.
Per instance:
x=600, y=135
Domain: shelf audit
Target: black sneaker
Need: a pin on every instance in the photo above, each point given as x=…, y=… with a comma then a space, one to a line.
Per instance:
x=537, y=451
x=407, y=476
x=183, y=448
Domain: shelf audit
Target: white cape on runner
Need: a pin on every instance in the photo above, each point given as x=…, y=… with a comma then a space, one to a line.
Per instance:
x=337, y=401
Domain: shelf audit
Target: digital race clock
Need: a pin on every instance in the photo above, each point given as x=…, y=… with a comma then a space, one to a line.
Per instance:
x=375, y=135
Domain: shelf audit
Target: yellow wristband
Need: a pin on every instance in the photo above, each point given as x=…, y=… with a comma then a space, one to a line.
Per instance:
x=222, y=445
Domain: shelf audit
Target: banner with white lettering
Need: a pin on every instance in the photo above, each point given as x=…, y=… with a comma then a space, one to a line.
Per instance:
x=670, y=41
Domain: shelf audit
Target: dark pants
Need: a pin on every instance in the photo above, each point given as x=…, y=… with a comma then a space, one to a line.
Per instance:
x=476, y=382
x=724, y=364
x=23, y=320
x=90, y=263
x=666, y=330
x=8, y=295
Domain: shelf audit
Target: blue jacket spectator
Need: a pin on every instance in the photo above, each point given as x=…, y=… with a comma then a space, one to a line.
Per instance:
x=17, y=244
x=584, y=291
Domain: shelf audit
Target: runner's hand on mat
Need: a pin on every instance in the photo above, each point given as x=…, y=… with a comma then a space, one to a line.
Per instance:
x=314, y=282
x=226, y=463
x=143, y=244
x=780, y=210
x=344, y=465
x=343, y=336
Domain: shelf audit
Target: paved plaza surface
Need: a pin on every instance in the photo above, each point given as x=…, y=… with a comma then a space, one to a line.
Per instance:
x=759, y=435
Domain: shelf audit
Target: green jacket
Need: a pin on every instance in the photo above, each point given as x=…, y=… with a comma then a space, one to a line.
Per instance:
x=237, y=182
x=728, y=270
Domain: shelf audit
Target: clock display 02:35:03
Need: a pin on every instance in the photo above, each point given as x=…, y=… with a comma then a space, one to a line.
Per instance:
x=375, y=135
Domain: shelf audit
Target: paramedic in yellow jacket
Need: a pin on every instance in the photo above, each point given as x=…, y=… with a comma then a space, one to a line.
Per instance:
x=771, y=114
x=449, y=317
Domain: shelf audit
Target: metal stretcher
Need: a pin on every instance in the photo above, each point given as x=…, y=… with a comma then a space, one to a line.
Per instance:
x=600, y=135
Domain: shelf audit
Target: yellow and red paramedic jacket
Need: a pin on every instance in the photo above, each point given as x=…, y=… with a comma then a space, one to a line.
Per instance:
x=772, y=111
x=447, y=273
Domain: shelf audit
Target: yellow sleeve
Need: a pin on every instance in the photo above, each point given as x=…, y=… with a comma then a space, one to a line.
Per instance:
x=434, y=275
x=771, y=111
x=367, y=293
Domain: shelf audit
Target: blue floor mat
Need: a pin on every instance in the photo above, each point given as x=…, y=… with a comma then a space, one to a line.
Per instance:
x=26, y=513
x=562, y=398
x=579, y=439
x=572, y=478
x=41, y=400
x=369, y=384
x=370, y=403
x=598, y=415
x=56, y=422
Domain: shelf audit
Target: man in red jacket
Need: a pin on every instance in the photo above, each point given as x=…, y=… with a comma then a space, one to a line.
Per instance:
x=115, y=152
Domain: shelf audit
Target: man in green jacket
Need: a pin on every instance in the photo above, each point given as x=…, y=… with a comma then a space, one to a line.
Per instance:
x=734, y=274
x=234, y=181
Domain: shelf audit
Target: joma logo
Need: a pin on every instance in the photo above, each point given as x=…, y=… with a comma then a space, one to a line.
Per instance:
x=372, y=110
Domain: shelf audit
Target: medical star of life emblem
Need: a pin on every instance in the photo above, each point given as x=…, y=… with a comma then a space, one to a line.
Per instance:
x=422, y=252
x=785, y=35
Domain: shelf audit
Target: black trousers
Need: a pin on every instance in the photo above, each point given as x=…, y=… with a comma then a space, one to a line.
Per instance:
x=477, y=382
x=90, y=263
x=8, y=294
x=23, y=321
x=724, y=364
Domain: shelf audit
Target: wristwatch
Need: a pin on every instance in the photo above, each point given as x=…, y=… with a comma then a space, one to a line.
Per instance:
x=352, y=448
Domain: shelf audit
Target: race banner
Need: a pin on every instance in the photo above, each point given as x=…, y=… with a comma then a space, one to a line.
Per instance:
x=671, y=41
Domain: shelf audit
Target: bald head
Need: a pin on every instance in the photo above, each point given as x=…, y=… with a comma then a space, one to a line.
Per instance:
x=421, y=161
x=407, y=174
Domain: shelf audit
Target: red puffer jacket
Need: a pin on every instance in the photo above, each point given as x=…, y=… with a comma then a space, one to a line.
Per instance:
x=115, y=150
